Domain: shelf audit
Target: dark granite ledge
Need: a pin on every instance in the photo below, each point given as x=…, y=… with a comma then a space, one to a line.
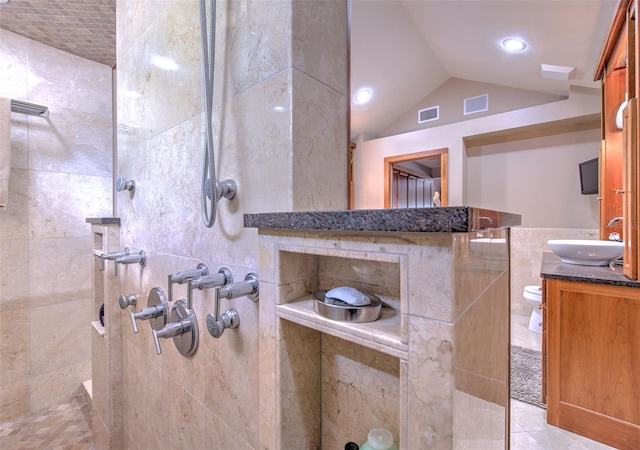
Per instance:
x=552, y=268
x=452, y=219
x=103, y=220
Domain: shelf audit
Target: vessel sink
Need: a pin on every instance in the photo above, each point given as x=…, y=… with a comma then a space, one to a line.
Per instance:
x=585, y=252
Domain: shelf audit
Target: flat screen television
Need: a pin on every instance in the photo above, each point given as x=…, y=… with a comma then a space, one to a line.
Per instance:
x=589, y=176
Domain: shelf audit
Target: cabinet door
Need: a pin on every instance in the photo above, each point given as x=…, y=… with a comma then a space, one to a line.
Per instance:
x=593, y=361
x=630, y=187
x=611, y=154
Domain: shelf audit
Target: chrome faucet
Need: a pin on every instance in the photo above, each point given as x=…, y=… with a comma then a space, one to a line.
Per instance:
x=613, y=221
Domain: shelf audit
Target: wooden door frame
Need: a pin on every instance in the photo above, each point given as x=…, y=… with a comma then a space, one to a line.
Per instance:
x=388, y=169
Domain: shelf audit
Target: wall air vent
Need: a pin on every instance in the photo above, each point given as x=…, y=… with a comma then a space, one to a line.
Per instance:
x=477, y=104
x=429, y=114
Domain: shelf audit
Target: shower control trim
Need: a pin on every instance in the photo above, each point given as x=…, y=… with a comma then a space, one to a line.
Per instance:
x=226, y=189
x=184, y=276
x=156, y=312
x=113, y=255
x=222, y=278
x=125, y=185
x=183, y=328
x=216, y=322
x=125, y=300
x=140, y=258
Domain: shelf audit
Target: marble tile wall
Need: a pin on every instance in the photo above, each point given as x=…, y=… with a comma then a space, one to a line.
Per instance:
x=61, y=174
x=279, y=120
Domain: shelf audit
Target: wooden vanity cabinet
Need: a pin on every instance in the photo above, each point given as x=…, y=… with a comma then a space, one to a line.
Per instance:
x=618, y=157
x=592, y=365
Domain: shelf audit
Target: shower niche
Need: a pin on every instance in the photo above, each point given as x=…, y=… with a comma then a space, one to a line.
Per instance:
x=432, y=367
x=325, y=359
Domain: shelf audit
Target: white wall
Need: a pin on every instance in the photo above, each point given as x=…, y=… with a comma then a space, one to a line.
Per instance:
x=537, y=178
x=582, y=105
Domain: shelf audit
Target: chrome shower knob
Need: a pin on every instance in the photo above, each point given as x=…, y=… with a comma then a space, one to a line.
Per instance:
x=125, y=300
x=124, y=185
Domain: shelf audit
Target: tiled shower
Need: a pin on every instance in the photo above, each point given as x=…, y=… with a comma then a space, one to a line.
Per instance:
x=60, y=173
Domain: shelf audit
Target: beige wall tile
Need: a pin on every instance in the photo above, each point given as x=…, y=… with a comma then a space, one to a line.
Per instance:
x=59, y=270
x=59, y=334
x=14, y=273
x=14, y=400
x=13, y=65
x=53, y=388
x=14, y=348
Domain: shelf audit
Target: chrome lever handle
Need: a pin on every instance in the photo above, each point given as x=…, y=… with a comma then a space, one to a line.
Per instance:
x=186, y=275
x=170, y=330
x=183, y=329
x=140, y=258
x=223, y=277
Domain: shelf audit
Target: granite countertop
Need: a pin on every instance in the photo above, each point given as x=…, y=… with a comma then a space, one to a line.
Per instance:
x=450, y=219
x=553, y=268
x=103, y=220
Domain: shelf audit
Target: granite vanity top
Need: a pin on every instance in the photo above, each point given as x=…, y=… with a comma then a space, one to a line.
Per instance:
x=103, y=220
x=450, y=219
x=553, y=268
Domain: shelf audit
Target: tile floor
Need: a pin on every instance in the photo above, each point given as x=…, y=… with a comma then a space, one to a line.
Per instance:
x=64, y=427
x=529, y=428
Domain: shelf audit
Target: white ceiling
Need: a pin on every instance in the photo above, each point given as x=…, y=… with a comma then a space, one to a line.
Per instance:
x=403, y=50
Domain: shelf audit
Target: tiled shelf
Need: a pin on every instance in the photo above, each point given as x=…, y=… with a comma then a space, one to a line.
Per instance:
x=98, y=327
x=382, y=335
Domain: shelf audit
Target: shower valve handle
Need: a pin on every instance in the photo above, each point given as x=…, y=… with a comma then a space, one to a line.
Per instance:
x=113, y=255
x=125, y=185
x=170, y=330
x=125, y=300
x=150, y=312
x=182, y=277
x=140, y=258
x=216, y=322
x=222, y=278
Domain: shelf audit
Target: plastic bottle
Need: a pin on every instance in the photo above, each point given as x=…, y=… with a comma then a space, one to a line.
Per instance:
x=379, y=439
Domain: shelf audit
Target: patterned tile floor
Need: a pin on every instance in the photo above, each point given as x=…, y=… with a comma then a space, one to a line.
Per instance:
x=64, y=427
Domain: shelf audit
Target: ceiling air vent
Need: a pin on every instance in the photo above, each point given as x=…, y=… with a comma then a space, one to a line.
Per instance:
x=477, y=104
x=429, y=114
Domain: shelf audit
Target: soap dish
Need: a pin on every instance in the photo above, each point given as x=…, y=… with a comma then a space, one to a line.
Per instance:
x=347, y=313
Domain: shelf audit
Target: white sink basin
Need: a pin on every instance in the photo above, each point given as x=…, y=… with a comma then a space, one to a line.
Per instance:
x=586, y=252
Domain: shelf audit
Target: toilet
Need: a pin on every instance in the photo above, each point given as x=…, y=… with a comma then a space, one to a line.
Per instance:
x=533, y=296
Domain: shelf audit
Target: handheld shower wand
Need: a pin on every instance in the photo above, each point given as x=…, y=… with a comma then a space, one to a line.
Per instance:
x=211, y=190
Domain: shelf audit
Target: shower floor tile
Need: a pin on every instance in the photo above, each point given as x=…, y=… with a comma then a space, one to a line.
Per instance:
x=63, y=427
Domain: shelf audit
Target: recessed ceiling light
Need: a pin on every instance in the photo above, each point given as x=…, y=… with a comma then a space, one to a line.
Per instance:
x=362, y=96
x=514, y=44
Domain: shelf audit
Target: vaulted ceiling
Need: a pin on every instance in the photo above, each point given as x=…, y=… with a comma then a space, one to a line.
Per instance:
x=402, y=49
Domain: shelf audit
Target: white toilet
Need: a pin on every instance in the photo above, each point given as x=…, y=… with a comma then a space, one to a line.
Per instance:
x=533, y=296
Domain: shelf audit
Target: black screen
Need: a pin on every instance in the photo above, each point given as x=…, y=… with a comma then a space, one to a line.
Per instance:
x=589, y=176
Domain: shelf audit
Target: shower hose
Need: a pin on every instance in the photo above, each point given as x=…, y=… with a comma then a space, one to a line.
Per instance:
x=208, y=200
